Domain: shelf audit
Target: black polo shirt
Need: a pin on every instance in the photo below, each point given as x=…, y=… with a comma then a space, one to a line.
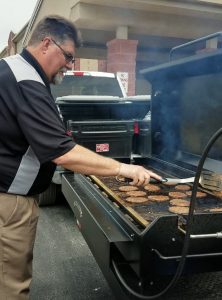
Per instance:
x=32, y=133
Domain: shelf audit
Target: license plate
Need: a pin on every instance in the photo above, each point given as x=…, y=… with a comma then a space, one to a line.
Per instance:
x=102, y=147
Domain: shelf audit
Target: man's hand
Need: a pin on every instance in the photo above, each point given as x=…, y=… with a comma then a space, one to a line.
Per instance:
x=138, y=174
x=82, y=160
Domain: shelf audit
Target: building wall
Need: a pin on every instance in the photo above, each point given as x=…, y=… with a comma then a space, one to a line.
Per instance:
x=157, y=26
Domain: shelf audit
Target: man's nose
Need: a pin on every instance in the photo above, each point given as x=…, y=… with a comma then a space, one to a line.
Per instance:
x=70, y=65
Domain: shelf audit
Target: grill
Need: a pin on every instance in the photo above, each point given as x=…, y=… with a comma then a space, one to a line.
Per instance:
x=138, y=246
x=151, y=210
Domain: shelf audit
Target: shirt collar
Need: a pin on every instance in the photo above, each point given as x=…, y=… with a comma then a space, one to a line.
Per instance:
x=30, y=59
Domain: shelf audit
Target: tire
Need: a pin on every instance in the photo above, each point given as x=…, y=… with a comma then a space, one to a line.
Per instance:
x=49, y=196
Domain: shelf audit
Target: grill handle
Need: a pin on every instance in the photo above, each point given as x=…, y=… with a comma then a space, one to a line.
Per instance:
x=196, y=41
x=104, y=132
x=217, y=235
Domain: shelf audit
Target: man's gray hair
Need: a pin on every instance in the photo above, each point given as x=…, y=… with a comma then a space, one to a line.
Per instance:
x=57, y=27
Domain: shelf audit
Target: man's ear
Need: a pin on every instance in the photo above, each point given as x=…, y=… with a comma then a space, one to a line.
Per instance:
x=45, y=43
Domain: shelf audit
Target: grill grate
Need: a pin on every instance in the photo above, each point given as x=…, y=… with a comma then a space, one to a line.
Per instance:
x=151, y=210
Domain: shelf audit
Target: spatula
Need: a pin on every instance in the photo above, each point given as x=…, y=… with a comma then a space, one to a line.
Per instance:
x=208, y=180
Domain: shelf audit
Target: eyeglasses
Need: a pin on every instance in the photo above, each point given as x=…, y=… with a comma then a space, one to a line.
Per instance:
x=68, y=57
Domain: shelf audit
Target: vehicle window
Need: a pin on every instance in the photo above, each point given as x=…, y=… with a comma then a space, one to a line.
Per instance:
x=86, y=85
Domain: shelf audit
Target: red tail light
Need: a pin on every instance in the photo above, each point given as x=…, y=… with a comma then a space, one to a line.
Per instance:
x=136, y=128
x=78, y=73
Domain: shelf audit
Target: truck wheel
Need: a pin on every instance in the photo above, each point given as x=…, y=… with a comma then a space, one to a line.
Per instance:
x=49, y=196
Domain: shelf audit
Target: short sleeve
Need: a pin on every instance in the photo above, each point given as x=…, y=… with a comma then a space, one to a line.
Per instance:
x=39, y=119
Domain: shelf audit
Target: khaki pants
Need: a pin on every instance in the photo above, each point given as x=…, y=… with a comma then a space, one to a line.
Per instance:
x=18, y=222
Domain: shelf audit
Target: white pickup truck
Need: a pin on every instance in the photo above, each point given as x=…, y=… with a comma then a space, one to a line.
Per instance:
x=98, y=114
x=89, y=83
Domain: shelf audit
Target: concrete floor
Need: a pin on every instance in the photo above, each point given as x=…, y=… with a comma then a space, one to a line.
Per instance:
x=64, y=268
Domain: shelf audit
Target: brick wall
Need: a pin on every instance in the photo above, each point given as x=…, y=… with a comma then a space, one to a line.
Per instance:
x=121, y=57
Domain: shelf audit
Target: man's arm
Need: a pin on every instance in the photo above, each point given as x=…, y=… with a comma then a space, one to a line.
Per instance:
x=81, y=160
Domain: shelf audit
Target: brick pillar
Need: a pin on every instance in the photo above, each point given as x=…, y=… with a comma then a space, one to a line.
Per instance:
x=121, y=57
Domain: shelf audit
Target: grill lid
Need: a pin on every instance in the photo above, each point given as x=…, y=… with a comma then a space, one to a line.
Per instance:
x=186, y=109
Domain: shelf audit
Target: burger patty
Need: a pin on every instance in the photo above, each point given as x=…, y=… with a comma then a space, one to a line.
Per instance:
x=151, y=187
x=159, y=198
x=136, y=193
x=128, y=188
x=198, y=195
x=177, y=195
x=179, y=210
x=182, y=187
x=136, y=199
x=179, y=202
